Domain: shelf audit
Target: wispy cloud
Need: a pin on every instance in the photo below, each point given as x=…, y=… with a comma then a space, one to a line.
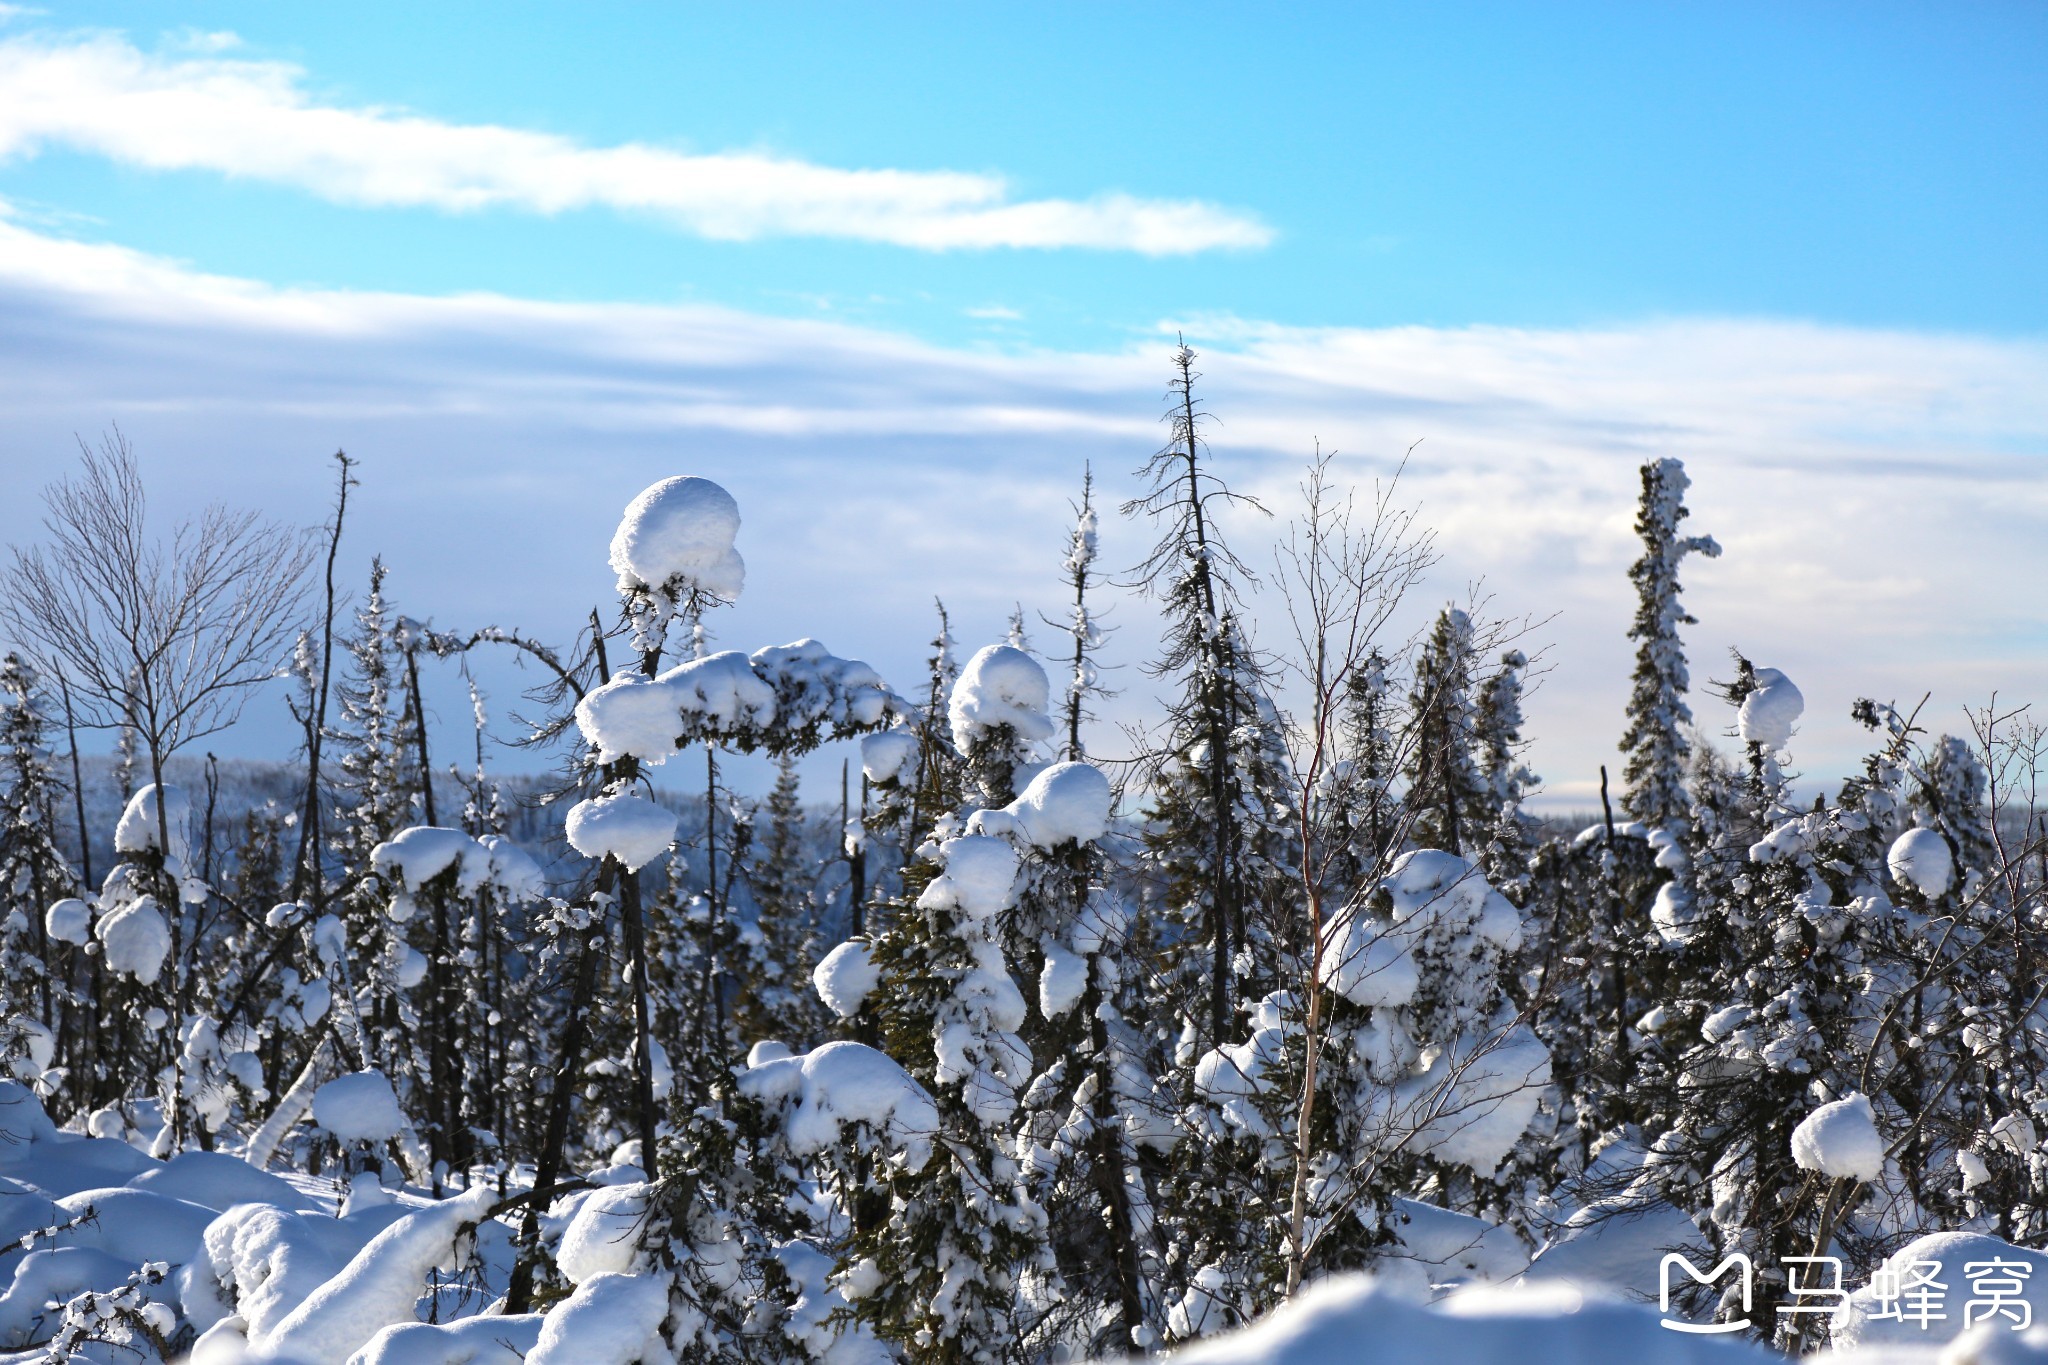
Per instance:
x=102, y=95
x=1880, y=494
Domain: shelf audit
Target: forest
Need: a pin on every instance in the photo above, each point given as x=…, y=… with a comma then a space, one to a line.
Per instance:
x=1273, y=1028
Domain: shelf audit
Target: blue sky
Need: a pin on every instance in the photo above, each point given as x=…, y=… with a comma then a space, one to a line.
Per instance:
x=895, y=273
x=1543, y=165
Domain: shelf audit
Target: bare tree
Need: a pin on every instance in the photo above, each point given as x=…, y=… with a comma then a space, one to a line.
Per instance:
x=168, y=637
x=1342, y=572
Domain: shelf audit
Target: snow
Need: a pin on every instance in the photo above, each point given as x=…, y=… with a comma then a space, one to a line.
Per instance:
x=819, y=1092
x=259, y=1263
x=1478, y=1097
x=413, y=857
x=131, y=1225
x=379, y=1285
x=814, y=688
x=603, y=1236
x=495, y=1340
x=1452, y=1248
x=846, y=977
x=45, y=1278
x=1673, y=914
x=632, y=716
x=1228, y=1076
x=137, y=831
x=1001, y=685
x=136, y=939
x=1065, y=803
x=513, y=870
x=1618, y=1248
x=1332, y=1322
x=1920, y=858
x=1369, y=963
x=1768, y=714
x=677, y=537
x=1061, y=982
x=980, y=878
x=610, y=1320
x=1840, y=1140
x=69, y=921
x=359, y=1107
x=630, y=828
x=890, y=756
x=34, y=1037
x=1949, y=1254
x=1448, y=894
x=798, y=692
x=219, y=1181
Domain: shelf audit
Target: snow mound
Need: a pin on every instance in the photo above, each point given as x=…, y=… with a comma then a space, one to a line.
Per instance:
x=1768, y=714
x=69, y=921
x=136, y=939
x=413, y=857
x=818, y=1093
x=22, y=1120
x=499, y=1339
x=632, y=716
x=815, y=689
x=1369, y=963
x=1228, y=1076
x=1440, y=892
x=890, y=756
x=219, y=1181
x=1455, y=1247
x=1480, y=1096
x=786, y=697
x=1066, y=803
x=630, y=828
x=137, y=831
x=380, y=1284
x=610, y=1320
x=604, y=1236
x=1061, y=982
x=1001, y=685
x=1331, y=1323
x=360, y=1107
x=846, y=978
x=1618, y=1247
x=1840, y=1140
x=677, y=537
x=1920, y=858
x=513, y=869
x=979, y=881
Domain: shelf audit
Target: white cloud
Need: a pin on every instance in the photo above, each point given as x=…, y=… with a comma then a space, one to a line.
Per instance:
x=1880, y=494
x=253, y=119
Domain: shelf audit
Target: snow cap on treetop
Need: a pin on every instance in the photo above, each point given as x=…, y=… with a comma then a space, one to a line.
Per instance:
x=630, y=828
x=137, y=831
x=135, y=939
x=1065, y=803
x=1001, y=685
x=1769, y=712
x=1840, y=1140
x=677, y=536
x=1920, y=858
x=980, y=879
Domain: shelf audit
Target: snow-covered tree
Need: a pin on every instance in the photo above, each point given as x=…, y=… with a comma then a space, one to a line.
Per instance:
x=1655, y=740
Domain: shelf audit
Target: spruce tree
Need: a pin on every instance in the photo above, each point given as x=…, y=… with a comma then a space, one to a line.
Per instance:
x=1655, y=740
x=1447, y=793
